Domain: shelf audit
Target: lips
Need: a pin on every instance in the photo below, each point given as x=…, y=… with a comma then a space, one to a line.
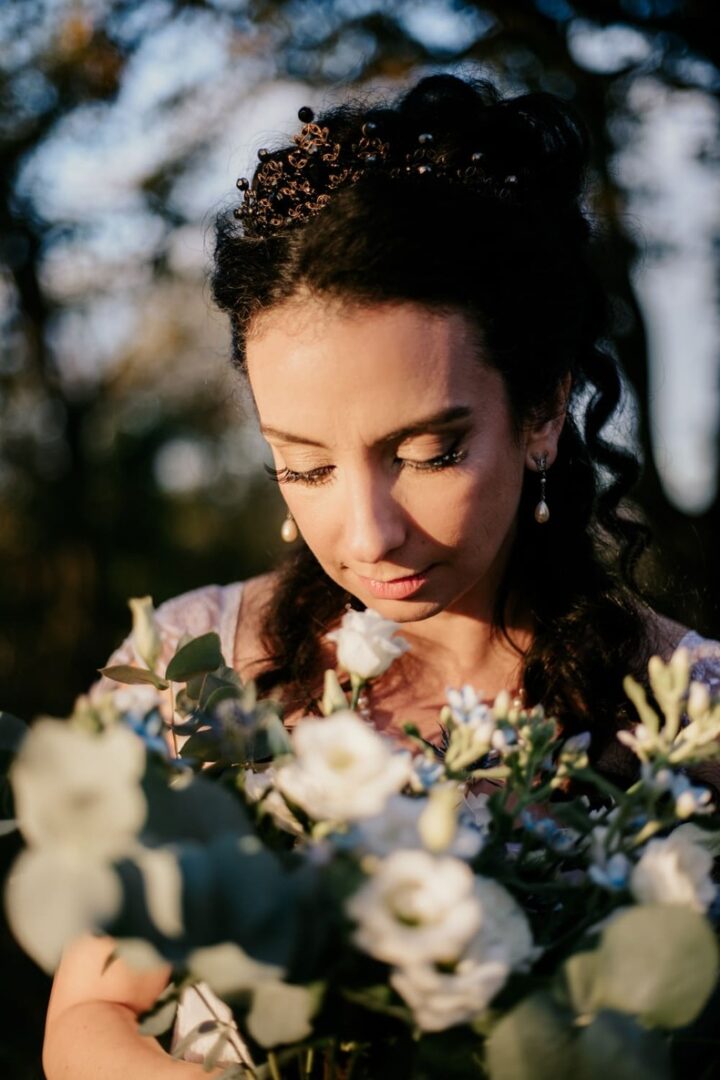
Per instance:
x=398, y=588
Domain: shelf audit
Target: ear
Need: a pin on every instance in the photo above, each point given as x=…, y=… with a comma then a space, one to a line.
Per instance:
x=541, y=440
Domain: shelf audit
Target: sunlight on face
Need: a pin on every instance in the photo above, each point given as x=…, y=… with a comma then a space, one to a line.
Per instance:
x=395, y=450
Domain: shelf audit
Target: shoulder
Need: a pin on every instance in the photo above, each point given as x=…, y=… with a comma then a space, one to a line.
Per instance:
x=666, y=636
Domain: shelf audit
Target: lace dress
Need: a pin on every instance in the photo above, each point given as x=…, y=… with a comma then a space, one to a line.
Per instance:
x=218, y=608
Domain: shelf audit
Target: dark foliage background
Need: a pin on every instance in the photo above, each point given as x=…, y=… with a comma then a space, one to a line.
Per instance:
x=126, y=466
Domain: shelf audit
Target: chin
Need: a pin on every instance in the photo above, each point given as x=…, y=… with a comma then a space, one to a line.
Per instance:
x=403, y=611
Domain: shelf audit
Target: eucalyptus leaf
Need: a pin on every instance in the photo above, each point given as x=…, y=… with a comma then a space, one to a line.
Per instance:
x=532, y=1042
x=658, y=962
x=203, y=746
x=614, y=1045
x=134, y=676
x=12, y=732
x=581, y=975
x=202, y=654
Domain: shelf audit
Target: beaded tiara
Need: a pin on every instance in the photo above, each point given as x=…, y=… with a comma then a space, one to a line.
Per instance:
x=292, y=185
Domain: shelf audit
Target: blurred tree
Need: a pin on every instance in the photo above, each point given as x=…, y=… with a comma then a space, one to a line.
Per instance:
x=125, y=466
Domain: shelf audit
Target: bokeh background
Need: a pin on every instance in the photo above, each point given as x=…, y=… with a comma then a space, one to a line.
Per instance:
x=129, y=462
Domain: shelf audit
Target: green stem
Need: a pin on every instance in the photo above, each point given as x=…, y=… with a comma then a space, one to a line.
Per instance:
x=273, y=1064
x=356, y=683
x=309, y=1062
x=172, y=720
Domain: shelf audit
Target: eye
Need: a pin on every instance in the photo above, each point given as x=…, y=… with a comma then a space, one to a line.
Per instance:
x=452, y=456
x=289, y=476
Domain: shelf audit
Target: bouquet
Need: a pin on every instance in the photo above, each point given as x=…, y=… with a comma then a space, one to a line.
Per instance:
x=493, y=908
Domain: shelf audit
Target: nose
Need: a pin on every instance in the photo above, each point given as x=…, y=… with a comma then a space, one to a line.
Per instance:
x=375, y=524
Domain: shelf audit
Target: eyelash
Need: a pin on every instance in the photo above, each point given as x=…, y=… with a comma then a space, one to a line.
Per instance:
x=451, y=457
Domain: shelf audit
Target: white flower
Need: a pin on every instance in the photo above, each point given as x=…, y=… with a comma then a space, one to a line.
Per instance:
x=366, y=645
x=52, y=897
x=690, y=798
x=502, y=943
x=475, y=806
x=260, y=787
x=398, y=827
x=257, y=784
x=504, y=932
x=468, y=708
x=438, y=822
x=675, y=870
x=281, y=1013
x=417, y=908
x=440, y=999
x=80, y=791
x=146, y=638
x=343, y=770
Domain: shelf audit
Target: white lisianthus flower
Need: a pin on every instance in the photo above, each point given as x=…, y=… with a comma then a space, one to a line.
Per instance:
x=440, y=999
x=78, y=791
x=343, y=770
x=503, y=942
x=398, y=827
x=504, y=933
x=675, y=870
x=366, y=643
x=417, y=908
x=146, y=638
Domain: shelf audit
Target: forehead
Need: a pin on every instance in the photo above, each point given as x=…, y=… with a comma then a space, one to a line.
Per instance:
x=319, y=366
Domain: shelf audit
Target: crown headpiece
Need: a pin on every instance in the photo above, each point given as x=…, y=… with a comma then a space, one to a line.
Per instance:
x=293, y=185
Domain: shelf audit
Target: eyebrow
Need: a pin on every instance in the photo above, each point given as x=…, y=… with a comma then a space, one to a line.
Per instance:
x=418, y=427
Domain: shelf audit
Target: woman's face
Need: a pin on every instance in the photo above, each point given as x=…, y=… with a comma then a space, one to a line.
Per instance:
x=395, y=450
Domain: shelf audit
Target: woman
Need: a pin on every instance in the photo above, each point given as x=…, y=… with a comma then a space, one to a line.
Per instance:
x=412, y=299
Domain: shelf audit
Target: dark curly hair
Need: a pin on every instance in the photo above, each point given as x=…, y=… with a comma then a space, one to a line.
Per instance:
x=518, y=260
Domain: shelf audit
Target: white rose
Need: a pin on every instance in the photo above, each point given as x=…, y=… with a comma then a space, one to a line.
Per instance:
x=343, y=770
x=80, y=791
x=417, y=908
x=366, y=645
x=675, y=870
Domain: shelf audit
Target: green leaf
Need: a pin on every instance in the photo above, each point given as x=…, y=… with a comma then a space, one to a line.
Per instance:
x=614, y=1045
x=159, y=1021
x=203, y=746
x=12, y=732
x=200, y=655
x=134, y=676
x=658, y=962
x=532, y=1042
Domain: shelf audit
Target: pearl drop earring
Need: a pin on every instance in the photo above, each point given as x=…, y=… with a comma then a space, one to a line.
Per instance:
x=542, y=510
x=288, y=529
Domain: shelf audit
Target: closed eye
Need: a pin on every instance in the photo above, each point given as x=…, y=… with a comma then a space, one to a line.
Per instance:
x=322, y=475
